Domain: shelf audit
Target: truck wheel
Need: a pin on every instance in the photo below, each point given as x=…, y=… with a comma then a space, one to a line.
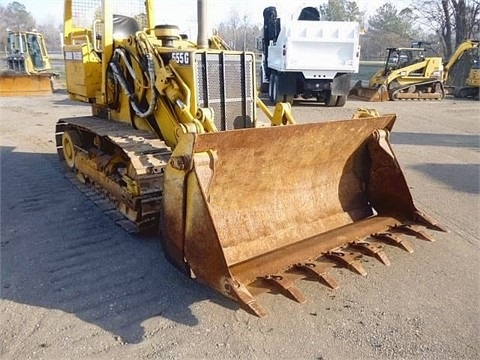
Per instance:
x=270, y=87
x=264, y=87
x=288, y=99
x=462, y=93
x=330, y=100
x=274, y=87
x=341, y=100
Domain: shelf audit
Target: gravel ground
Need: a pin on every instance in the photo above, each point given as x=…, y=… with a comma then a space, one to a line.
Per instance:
x=76, y=286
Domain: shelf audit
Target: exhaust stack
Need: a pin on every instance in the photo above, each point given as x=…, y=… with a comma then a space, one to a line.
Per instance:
x=202, y=41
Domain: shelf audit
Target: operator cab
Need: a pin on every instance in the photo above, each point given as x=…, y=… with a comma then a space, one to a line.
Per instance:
x=402, y=57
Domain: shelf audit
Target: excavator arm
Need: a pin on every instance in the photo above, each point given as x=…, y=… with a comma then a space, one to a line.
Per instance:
x=465, y=46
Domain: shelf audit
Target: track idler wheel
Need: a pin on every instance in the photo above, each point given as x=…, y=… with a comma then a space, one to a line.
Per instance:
x=70, y=138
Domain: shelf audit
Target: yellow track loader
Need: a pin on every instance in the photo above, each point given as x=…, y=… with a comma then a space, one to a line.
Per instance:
x=174, y=144
x=407, y=74
x=28, y=66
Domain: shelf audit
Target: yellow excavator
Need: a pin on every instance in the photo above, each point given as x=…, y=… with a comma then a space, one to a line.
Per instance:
x=407, y=74
x=462, y=72
x=28, y=66
x=472, y=88
x=174, y=143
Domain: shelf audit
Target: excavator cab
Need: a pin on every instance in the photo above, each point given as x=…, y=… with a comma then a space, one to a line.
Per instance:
x=471, y=89
x=462, y=74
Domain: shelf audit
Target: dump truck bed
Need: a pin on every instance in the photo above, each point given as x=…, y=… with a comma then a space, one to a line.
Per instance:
x=316, y=47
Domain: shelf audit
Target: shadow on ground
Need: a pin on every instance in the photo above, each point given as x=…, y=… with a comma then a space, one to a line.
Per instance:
x=460, y=177
x=451, y=140
x=67, y=101
x=60, y=251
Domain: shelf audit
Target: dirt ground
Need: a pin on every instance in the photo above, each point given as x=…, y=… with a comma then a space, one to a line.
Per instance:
x=76, y=286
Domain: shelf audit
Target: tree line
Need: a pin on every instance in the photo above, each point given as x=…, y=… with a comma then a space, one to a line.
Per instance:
x=442, y=24
x=16, y=17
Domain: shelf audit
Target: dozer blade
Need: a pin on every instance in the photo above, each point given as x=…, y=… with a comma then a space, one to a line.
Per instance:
x=244, y=211
x=359, y=92
x=13, y=84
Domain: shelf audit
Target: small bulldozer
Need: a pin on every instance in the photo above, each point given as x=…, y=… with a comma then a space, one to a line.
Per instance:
x=407, y=74
x=27, y=66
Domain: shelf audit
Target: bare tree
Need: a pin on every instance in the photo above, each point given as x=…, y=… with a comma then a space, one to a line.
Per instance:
x=452, y=20
x=52, y=36
x=238, y=33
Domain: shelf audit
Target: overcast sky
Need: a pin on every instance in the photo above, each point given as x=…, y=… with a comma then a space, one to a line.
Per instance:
x=181, y=12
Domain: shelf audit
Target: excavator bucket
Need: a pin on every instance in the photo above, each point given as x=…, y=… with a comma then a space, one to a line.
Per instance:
x=359, y=92
x=253, y=210
x=19, y=84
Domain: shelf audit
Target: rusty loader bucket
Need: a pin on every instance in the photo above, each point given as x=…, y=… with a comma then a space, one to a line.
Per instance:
x=254, y=210
x=18, y=84
x=373, y=94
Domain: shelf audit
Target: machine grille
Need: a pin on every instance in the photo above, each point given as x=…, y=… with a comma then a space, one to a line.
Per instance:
x=17, y=63
x=225, y=84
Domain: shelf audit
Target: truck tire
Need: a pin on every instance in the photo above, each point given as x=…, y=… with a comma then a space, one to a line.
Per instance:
x=270, y=86
x=274, y=88
x=330, y=100
x=288, y=99
x=264, y=87
x=341, y=100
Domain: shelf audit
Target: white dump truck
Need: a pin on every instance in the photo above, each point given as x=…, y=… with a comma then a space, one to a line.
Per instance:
x=303, y=57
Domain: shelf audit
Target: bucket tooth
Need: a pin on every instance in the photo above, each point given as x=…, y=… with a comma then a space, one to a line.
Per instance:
x=244, y=298
x=375, y=251
x=286, y=287
x=428, y=221
x=348, y=260
x=319, y=272
x=394, y=240
x=414, y=231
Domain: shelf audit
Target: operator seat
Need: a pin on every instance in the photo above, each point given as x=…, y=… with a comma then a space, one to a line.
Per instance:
x=124, y=26
x=310, y=14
